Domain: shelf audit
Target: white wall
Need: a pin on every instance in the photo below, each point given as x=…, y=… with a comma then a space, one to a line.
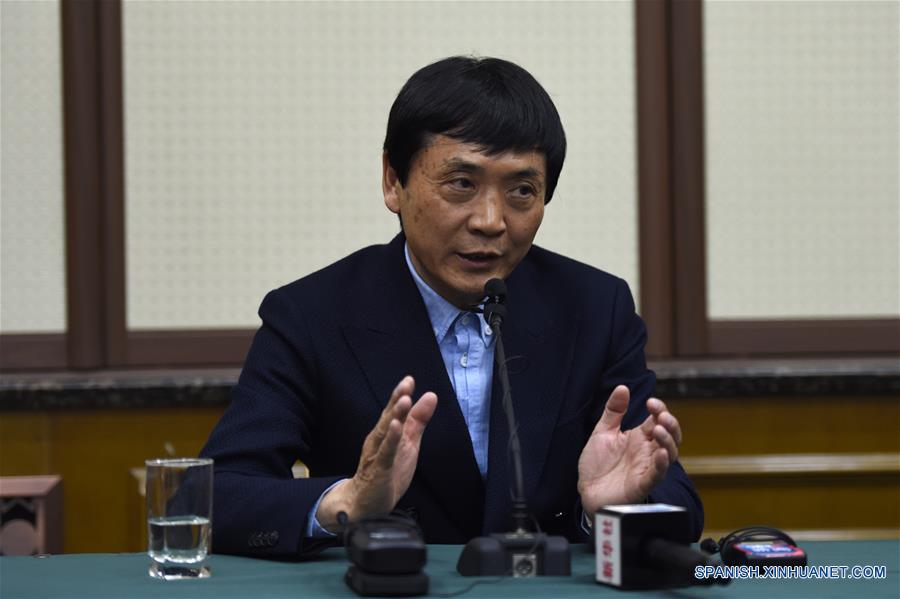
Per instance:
x=803, y=210
x=254, y=134
x=32, y=241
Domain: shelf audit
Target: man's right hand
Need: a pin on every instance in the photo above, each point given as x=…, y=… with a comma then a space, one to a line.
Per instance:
x=388, y=460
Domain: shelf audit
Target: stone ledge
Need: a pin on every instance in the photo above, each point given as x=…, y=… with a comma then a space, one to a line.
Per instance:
x=143, y=389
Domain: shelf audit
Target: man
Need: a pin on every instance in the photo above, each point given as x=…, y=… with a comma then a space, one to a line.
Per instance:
x=376, y=373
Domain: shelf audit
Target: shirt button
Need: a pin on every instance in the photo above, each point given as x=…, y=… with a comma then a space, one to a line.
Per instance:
x=464, y=360
x=464, y=319
x=488, y=330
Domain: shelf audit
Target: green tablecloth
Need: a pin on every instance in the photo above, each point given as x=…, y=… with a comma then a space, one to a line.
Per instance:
x=119, y=576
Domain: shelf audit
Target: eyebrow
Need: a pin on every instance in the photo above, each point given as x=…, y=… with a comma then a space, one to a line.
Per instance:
x=460, y=164
x=526, y=173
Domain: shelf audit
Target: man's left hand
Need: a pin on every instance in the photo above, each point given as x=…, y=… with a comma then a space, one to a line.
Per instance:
x=621, y=467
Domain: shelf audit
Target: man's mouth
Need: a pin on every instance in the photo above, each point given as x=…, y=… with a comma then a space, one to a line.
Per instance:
x=479, y=259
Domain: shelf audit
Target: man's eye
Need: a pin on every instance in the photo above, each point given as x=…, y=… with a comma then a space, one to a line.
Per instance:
x=462, y=183
x=524, y=191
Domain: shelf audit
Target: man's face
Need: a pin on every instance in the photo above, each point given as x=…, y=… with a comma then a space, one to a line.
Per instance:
x=468, y=217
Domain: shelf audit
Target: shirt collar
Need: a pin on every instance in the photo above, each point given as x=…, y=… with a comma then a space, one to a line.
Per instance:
x=441, y=312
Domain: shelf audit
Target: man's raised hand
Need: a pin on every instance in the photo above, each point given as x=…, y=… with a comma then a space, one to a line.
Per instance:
x=619, y=466
x=388, y=461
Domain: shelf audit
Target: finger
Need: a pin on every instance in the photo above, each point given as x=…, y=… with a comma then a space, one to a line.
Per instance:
x=404, y=388
x=402, y=408
x=655, y=473
x=668, y=420
x=656, y=406
x=388, y=450
x=648, y=425
x=615, y=409
x=419, y=417
x=399, y=412
x=664, y=417
x=666, y=441
x=660, y=465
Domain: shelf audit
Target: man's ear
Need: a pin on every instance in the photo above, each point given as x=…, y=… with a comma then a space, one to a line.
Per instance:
x=390, y=185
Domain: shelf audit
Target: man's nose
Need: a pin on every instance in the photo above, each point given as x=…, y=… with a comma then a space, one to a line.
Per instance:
x=487, y=215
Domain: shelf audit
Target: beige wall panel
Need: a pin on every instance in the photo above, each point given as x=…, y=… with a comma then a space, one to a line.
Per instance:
x=32, y=241
x=253, y=136
x=803, y=212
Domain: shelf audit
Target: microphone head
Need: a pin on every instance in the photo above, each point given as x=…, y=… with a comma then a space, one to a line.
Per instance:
x=494, y=313
x=496, y=288
x=494, y=310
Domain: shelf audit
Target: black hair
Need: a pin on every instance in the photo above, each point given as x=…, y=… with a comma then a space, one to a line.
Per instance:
x=489, y=102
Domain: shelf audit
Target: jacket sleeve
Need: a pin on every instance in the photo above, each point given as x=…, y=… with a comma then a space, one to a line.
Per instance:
x=259, y=509
x=626, y=365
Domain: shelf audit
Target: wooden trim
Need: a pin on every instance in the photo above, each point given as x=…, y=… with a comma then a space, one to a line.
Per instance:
x=654, y=177
x=792, y=464
x=94, y=181
x=188, y=348
x=112, y=127
x=688, y=175
x=809, y=336
x=82, y=152
x=32, y=351
x=835, y=534
x=28, y=486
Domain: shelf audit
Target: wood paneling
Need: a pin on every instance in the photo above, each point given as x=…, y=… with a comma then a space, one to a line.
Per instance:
x=94, y=451
x=811, y=336
x=798, y=503
x=25, y=444
x=688, y=175
x=851, y=483
x=772, y=425
x=188, y=348
x=794, y=464
x=37, y=351
x=83, y=184
x=654, y=175
x=800, y=491
x=111, y=120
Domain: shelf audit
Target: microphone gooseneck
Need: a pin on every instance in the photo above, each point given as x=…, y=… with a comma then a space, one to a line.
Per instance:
x=495, y=314
x=521, y=553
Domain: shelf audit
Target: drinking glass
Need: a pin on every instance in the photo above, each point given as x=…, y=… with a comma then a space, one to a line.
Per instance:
x=179, y=517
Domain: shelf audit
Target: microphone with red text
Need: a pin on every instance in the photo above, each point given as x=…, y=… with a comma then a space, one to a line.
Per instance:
x=521, y=553
x=646, y=546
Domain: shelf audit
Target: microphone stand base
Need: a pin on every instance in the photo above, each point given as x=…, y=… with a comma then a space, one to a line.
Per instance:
x=517, y=554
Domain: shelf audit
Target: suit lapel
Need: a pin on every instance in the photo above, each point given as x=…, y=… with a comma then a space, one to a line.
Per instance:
x=394, y=339
x=539, y=345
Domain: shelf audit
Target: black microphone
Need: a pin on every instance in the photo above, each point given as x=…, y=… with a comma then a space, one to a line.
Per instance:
x=495, y=304
x=388, y=556
x=647, y=546
x=519, y=553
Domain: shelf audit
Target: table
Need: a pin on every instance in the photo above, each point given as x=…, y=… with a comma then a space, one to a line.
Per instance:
x=100, y=576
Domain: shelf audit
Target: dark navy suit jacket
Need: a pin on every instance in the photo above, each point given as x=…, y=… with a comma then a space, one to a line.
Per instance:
x=334, y=344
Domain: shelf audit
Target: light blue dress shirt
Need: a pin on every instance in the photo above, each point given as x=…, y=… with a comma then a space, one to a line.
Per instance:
x=467, y=347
